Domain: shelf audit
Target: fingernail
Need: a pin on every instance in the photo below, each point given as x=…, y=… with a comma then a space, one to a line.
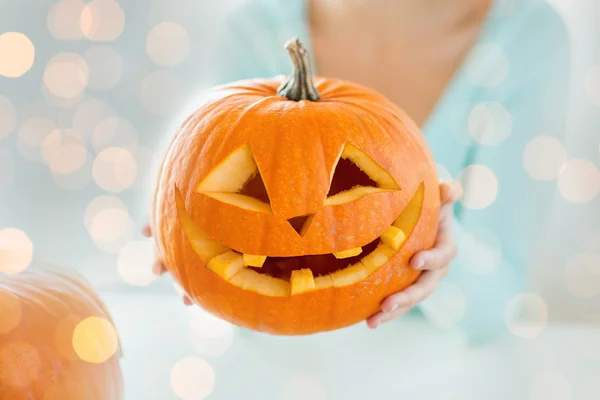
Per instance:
x=394, y=308
x=420, y=264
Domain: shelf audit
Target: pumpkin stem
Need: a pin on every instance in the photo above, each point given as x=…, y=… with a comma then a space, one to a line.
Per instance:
x=299, y=85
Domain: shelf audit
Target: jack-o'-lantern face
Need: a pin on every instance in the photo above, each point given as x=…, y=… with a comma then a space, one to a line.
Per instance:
x=294, y=217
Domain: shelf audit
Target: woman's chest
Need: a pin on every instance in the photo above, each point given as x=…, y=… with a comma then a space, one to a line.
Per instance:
x=411, y=70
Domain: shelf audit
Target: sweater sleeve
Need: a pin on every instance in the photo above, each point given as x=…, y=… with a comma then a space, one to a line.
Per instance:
x=501, y=217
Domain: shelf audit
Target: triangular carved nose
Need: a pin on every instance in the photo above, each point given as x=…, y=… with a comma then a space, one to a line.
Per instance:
x=301, y=223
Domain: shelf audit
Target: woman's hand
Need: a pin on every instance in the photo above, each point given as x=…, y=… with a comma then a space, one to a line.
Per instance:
x=433, y=262
x=158, y=268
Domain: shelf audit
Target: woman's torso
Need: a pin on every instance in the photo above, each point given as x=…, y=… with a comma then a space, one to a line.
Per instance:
x=407, y=50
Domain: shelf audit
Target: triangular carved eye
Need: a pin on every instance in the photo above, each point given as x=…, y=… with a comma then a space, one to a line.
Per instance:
x=237, y=181
x=357, y=175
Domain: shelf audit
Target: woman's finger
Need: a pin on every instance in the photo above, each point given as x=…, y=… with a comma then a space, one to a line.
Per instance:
x=158, y=268
x=382, y=317
x=449, y=191
x=444, y=249
x=415, y=293
x=147, y=231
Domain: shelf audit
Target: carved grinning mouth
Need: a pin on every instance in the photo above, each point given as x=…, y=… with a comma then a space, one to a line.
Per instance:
x=285, y=276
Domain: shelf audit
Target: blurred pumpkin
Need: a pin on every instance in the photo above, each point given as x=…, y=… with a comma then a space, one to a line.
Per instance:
x=292, y=205
x=57, y=340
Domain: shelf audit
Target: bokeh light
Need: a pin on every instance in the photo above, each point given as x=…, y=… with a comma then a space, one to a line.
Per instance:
x=302, y=387
x=135, y=263
x=160, y=93
x=192, y=378
x=95, y=340
x=105, y=65
x=446, y=306
x=168, y=44
x=491, y=67
x=16, y=250
x=11, y=311
x=111, y=229
x=115, y=132
x=66, y=75
x=8, y=117
x=209, y=335
x=32, y=134
x=582, y=275
x=63, y=19
x=592, y=84
x=550, y=386
x=99, y=204
x=579, y=181
x=102, y=20
x=114, y=169
x=490, y=123
x=78, y=179
x=64, y=151
x=7, y=168
x=61, y=102
x=526, y=315
x=89, y=114
x=480, y=186
x=20, y=364
x=18, y=54
x=544, y=158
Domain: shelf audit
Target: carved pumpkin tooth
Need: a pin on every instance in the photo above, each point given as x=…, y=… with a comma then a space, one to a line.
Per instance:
x=350, y=275
x=256, y=282
x=381, y=255
x=348, y=253
x=254, y=261
x=226, y=265
x=393, y=237
x=323, y=282
x=302, y=281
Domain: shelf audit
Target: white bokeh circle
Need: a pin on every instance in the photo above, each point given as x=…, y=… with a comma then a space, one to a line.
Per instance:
x=579, y=181
x=134, y=263
x=490, y=123
x=192, y=378
x=16, y=250
x=480, y=186
x=168, y=44
x=17, y=54
x=526, y=315
x=544, y=158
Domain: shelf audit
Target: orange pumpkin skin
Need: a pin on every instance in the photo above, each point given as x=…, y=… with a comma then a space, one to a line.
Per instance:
x=41, y=307
x=296, y=145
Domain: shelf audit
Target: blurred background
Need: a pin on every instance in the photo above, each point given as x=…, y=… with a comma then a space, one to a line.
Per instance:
x=89, y=93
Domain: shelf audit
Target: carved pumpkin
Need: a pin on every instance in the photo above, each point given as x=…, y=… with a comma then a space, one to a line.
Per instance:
x=293, y=206
x=57, y=341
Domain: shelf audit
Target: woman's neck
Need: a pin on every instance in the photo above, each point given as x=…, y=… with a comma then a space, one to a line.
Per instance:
x=396, y=12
